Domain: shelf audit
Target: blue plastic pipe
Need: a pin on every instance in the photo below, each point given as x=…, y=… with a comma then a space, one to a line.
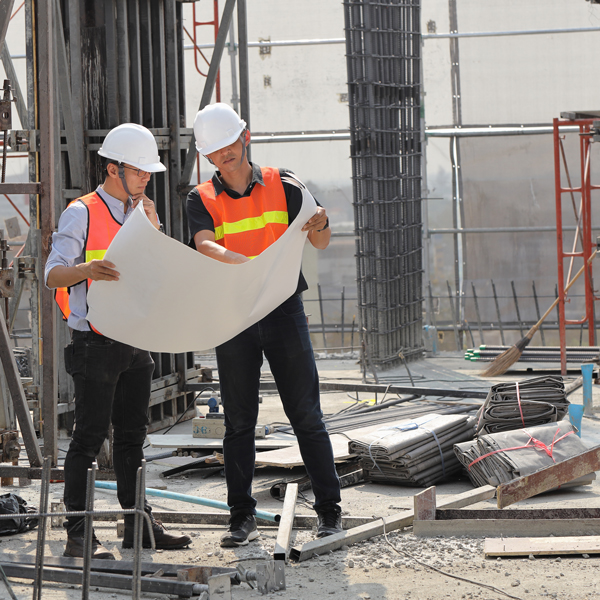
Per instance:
x=267, y=516
x=586, y=371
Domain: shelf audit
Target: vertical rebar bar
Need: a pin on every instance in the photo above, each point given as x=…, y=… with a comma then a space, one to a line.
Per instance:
x=498, y=313
x=138, y=531
x=342, y=325
x=88, y=535
x=432, y=308
x=537, y=312
x=322, y=317
x=514, y=291
x=454, y=323
x=41, y=537
x=477, y=313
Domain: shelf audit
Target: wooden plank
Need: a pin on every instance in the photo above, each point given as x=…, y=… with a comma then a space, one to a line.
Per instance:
x=208, y=518
x=519, y=513
x=507, y=527
x=589, y=544
x=425, y=505
x=188, y=441
x=387, y=524
x=284, y=534
x=548, y=478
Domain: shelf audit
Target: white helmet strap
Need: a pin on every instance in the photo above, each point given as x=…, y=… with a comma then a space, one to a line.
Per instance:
x=122, y=178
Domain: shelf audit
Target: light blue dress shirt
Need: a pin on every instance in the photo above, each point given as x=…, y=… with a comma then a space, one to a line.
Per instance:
x=67, y=250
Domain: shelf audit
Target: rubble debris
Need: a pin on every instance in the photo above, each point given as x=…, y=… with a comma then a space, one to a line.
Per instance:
x=383, y=525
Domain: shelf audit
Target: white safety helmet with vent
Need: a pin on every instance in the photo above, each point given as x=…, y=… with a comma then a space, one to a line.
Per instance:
x=216, y=126
x=134, y=145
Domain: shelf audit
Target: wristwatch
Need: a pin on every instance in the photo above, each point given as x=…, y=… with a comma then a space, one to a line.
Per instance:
x=326, y=225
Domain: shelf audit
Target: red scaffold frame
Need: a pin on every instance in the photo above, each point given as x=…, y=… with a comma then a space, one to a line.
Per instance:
x=583, y=232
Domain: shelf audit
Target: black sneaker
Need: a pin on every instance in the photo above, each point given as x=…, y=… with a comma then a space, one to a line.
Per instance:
x=74, y=547
x=162, y=539
x=242, y=529
x=329, y=522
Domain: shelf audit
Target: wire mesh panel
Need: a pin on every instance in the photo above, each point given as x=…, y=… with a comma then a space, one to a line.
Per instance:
x=383, y=53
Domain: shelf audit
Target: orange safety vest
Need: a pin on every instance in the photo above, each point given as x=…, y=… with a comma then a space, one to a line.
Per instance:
x=248, y=225
x=102, y=228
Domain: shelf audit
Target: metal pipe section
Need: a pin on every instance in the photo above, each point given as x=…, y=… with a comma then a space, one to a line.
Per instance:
x=242, y=17
x=425, y=36
x=541, y=228
x=268, y=516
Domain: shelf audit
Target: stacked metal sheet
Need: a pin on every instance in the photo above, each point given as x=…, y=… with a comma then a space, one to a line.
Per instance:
x=576, y=354
x=525, y=403
x=415, y=453
x=497, y=458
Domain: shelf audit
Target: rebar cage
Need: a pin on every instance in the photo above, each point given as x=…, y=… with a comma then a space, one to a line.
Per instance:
x=383, y=53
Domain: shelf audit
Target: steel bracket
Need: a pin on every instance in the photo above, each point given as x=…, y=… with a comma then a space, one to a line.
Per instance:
x=270, y=576
x=219, y=587
x=26, y=267
x=6, y=108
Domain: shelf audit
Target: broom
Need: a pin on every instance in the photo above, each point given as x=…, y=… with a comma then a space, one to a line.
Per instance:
x=509, y=357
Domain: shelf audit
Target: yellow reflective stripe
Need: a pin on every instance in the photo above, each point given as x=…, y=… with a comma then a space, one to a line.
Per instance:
x=94, y=254
x=252, y=223
x=219, y=233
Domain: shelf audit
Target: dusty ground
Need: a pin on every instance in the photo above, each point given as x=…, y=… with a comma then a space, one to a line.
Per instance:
x=399, y=567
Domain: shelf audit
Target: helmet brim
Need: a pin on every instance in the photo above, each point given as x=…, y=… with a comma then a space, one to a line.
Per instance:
x=220, y=144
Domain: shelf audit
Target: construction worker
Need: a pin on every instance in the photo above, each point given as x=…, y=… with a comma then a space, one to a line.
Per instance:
x=233, y=217
x=112, y=380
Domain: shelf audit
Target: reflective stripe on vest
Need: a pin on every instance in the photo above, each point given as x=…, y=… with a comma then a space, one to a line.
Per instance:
x=248, y=225
x=102, y=228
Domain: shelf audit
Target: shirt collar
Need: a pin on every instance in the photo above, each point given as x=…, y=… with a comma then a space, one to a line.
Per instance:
x=112, y=201
x=220, y=187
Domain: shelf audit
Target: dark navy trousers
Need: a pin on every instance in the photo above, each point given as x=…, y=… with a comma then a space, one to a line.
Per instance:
x=283, y=337
x=112, y=385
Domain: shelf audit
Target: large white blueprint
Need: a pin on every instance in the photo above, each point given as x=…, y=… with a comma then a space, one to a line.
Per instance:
x=170, y=298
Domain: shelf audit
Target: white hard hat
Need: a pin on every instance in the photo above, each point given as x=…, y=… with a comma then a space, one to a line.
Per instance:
x=132, y=144
x=216, y=126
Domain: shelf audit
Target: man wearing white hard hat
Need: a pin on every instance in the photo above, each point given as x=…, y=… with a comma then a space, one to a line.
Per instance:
x=234, y=217
x=112, y=380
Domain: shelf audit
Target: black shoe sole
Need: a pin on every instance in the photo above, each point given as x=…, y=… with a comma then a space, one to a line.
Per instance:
x=228, y=542
x=148, y=545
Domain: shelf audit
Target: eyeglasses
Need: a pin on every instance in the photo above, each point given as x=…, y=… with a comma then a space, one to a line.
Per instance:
x=138, y=172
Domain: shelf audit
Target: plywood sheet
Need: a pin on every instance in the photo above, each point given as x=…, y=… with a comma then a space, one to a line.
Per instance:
x=290, y=457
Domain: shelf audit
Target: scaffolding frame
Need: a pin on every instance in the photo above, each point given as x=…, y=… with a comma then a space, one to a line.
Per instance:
x=583, y=215
x=91, y=67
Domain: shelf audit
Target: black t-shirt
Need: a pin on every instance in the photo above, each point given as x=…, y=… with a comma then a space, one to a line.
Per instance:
x=199, y=219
